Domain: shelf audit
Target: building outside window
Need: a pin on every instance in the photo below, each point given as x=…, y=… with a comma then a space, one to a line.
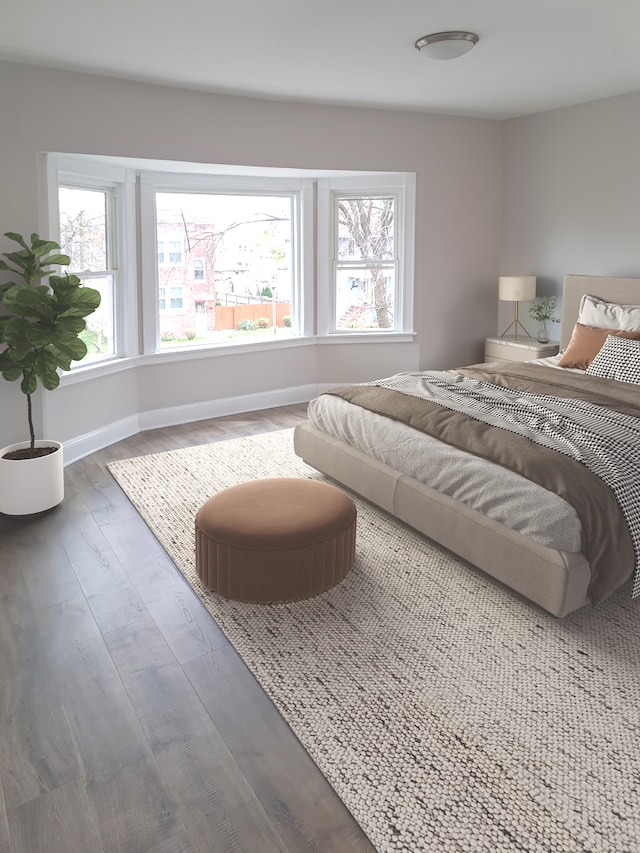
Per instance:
x=237, y=249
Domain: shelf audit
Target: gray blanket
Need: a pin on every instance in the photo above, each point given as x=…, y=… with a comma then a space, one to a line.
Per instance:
x=607, y=541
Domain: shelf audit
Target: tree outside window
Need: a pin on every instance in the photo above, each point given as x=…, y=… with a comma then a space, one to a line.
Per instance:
x=86, y=235
x=366, y=262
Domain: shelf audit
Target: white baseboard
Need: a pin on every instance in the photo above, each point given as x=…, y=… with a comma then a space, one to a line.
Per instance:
x=77, y=448
x=228, y=406
x=83, y=445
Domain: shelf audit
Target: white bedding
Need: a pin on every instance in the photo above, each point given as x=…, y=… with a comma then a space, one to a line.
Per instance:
x=491, y=489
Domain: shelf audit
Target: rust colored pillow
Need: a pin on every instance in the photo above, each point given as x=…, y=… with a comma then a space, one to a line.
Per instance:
x=586, y=342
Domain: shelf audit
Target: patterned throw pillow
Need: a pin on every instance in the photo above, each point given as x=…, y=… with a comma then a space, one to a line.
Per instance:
x=618, y=359
x=586, y=342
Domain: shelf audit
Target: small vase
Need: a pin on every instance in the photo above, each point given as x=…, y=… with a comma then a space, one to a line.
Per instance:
x=543, y=334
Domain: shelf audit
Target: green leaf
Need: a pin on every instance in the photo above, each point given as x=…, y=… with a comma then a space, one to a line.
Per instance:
x=29, y=383
x=5, y=266
x=47, y=369
x=15, y=332
x=17, y=238
x=19, y=258
x=42, y=247
x=29, y=301
x=81, y=302
x=11, y=373
x=65, y=283
x=50, y=380
x=64, y=361
x=62, y=260
x=24, y=356
x=74, y=325
x=71, y=346
x=36, y=336
x=6, y=286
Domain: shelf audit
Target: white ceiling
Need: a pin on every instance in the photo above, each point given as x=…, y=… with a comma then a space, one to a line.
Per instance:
x=532, y=55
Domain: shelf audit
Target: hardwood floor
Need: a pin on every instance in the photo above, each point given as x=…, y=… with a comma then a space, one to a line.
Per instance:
x=127, y=721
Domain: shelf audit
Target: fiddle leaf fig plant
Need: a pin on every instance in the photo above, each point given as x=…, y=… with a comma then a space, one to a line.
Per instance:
x=41, y=318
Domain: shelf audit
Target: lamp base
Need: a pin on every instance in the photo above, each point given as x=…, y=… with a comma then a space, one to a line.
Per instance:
x=514, y=325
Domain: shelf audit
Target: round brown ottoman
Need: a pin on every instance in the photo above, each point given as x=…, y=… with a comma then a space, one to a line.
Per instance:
x=275, y=540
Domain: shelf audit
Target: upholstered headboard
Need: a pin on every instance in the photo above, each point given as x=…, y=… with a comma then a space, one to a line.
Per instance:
x=622, y=290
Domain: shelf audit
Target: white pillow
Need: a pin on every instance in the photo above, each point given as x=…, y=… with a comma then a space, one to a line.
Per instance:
x=618, y=359
x=608, y=315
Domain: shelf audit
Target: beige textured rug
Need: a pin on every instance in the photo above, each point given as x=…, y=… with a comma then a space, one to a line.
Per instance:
x=447, y=713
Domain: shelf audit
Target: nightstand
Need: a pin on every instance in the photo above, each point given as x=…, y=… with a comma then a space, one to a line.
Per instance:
x=522, y=349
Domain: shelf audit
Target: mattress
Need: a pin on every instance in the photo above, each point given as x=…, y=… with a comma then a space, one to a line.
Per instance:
x=497, y=492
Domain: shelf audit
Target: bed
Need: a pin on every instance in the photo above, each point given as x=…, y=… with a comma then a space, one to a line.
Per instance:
x=560, y=543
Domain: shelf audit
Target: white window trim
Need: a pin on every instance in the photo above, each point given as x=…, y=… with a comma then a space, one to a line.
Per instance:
x=138, y=294
x=301, y=192
x=69, y=171
x=403, y=187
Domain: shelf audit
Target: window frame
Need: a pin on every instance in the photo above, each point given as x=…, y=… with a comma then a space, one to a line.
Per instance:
x=301, y=194
x=134, y=183
x=402, y=187
x=119, y=183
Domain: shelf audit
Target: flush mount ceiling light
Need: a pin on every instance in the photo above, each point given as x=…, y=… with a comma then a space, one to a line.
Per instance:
x=447, y=45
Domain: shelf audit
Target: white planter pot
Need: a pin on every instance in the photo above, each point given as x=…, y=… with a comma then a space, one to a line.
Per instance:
x=31, y=485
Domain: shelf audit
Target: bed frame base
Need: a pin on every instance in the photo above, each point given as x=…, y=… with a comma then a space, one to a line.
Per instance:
x=555, y=580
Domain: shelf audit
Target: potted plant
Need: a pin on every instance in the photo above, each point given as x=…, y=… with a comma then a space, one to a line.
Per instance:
x=42, y=316
x=542, y=311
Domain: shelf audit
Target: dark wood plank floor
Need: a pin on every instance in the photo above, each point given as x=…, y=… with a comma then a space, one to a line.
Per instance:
x=128, y=724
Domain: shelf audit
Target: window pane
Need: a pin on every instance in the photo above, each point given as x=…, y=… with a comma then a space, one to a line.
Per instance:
x=99, y=335
x=83, y=228
x=176, y=297
x=366, y=229
x=175, y=252
x=228, y=267
x=364, y=298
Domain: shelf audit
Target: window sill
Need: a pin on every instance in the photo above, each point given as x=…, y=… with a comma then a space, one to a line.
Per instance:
x=366, y=337
x=95, y=371
x=117, y=365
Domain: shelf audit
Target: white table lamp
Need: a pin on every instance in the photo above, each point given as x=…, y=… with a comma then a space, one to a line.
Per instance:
x=516, y=288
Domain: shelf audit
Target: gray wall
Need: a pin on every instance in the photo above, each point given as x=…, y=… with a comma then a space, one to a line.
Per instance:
x=571, y=194
x=457, y=162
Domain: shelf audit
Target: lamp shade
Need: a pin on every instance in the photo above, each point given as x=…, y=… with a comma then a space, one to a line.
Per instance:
x=516, y=288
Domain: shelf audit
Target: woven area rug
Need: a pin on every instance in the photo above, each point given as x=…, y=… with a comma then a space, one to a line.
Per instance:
x=447, y=713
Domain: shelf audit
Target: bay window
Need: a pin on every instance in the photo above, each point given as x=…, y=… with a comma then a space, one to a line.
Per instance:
x=226, y=257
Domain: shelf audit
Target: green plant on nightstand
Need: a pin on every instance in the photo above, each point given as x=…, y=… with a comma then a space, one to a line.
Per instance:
x=542, y=311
